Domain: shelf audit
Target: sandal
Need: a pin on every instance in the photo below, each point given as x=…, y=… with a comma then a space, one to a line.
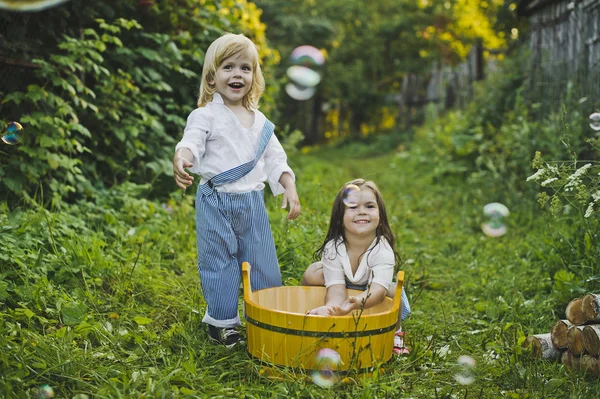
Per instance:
x=399, y=348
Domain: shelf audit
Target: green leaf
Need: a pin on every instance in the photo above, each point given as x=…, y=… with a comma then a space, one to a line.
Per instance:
x=142, y=320
x=3, y=290
x=73, y=313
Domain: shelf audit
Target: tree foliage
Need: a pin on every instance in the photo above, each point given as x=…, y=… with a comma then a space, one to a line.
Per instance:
x=371, y=46
x=112, y=86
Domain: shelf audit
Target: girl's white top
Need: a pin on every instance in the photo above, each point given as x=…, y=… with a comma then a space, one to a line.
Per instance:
x=376, y=265
x=219, y=142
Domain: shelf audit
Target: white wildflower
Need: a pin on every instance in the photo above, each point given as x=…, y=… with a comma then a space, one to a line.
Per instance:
x=548, y=181
x=575, y=178
x=536, y=175
x=596, y=196
x=580, y=171
x=589, y=210
x=552, y=169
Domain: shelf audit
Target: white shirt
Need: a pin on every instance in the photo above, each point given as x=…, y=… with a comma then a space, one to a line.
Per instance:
x=219, y=142
x=376, y=265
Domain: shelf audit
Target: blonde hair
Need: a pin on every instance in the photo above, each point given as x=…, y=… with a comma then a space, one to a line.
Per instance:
x=225, y=47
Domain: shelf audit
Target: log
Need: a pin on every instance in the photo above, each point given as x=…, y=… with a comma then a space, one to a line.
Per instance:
x=575, y=340
x=559, y=333
x=589, y=365
x=541, y=346
x=569, y=360
x=590, y=306
x=591, y=339
x=574, y=312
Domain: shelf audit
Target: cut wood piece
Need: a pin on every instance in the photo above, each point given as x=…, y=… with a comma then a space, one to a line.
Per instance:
x=569, y=360
x=575, y=340
x=591, y=339
x=589, y=365
x=590, y=306
x=541, y=346
x=574, y=312
x=559, y=333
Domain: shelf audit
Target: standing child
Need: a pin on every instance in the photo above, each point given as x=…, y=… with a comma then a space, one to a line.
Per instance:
x=231, y=144
x=358, y=253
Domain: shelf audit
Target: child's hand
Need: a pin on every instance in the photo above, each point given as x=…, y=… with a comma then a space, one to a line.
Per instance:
x=346, y=307
x=320, y=311
x=290, y=197
x=180, y=162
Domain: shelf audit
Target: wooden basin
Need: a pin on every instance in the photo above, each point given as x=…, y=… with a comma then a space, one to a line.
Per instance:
x=279, y=331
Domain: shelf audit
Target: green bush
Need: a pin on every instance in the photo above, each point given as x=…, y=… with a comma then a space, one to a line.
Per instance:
x=108, y=102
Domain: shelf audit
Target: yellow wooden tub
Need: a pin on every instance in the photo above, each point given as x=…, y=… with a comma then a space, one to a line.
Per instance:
x=279, y=331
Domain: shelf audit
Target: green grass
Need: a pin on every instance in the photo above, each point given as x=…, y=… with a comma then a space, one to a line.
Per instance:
x=93, y=308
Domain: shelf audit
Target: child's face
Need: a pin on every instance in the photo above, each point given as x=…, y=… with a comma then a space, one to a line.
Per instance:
x=362, y=216
x=233, y=78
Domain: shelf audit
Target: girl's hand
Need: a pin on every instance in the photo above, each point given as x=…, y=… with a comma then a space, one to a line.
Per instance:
x=180, y=162
x=346, y=307
x=320, y=311
x=290, y=197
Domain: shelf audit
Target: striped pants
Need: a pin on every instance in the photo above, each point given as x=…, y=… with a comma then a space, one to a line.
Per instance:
x=232, y=228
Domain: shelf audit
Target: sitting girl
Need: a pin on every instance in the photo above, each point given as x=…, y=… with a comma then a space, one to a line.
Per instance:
x=358, y=253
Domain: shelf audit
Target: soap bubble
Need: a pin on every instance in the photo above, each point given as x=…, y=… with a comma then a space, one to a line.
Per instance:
x=13, y=133
x=465, y=374
x=494, y=214
x=303, y=76
x=298, y=92
x=349, y=195
x=46, y=392
x=303, y=73
x=595, y=121
x=308, y=56
x=328, y=362
x=29, y=5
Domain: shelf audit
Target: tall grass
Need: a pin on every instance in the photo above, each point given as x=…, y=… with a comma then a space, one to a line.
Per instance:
x=102, y=299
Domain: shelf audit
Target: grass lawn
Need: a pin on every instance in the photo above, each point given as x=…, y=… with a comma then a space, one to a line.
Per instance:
x=116, y=312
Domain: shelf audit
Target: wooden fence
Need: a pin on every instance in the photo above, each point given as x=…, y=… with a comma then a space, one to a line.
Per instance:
x=563, y=47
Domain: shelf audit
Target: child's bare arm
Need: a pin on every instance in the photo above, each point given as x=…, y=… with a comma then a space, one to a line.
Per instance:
x=366, y=299
x=290, y=196
x=335, y=296
x=183, y=159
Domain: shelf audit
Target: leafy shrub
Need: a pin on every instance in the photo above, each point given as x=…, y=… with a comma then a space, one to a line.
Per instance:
x=108, y=103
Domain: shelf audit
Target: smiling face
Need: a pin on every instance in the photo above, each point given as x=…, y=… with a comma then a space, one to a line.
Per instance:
x=233, y=79
x=361, y=217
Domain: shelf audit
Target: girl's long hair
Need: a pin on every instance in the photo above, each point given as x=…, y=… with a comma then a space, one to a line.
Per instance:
x=336, y=223
x=222, y=48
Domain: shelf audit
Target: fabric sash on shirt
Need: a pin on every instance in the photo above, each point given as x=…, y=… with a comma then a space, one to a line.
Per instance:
x=233, y=174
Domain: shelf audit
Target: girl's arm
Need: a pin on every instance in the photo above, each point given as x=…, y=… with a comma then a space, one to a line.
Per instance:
x=335, y=296
x=366, y=299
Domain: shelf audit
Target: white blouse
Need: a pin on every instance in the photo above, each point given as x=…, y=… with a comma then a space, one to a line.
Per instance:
x=219, y=142
x=376, y=265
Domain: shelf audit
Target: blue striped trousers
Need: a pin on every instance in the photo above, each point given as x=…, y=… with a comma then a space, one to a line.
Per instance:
x=232, y=228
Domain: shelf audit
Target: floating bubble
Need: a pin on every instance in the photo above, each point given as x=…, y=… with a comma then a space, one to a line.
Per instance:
x=349, y=196
x=28, y=5
x=303, y=76
x=13, y=133
x=466, y=373
x=307, y=56
x=298, y=92
x=45, y=392
x=328, y=362
x=494, y=213
x=595, y=121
